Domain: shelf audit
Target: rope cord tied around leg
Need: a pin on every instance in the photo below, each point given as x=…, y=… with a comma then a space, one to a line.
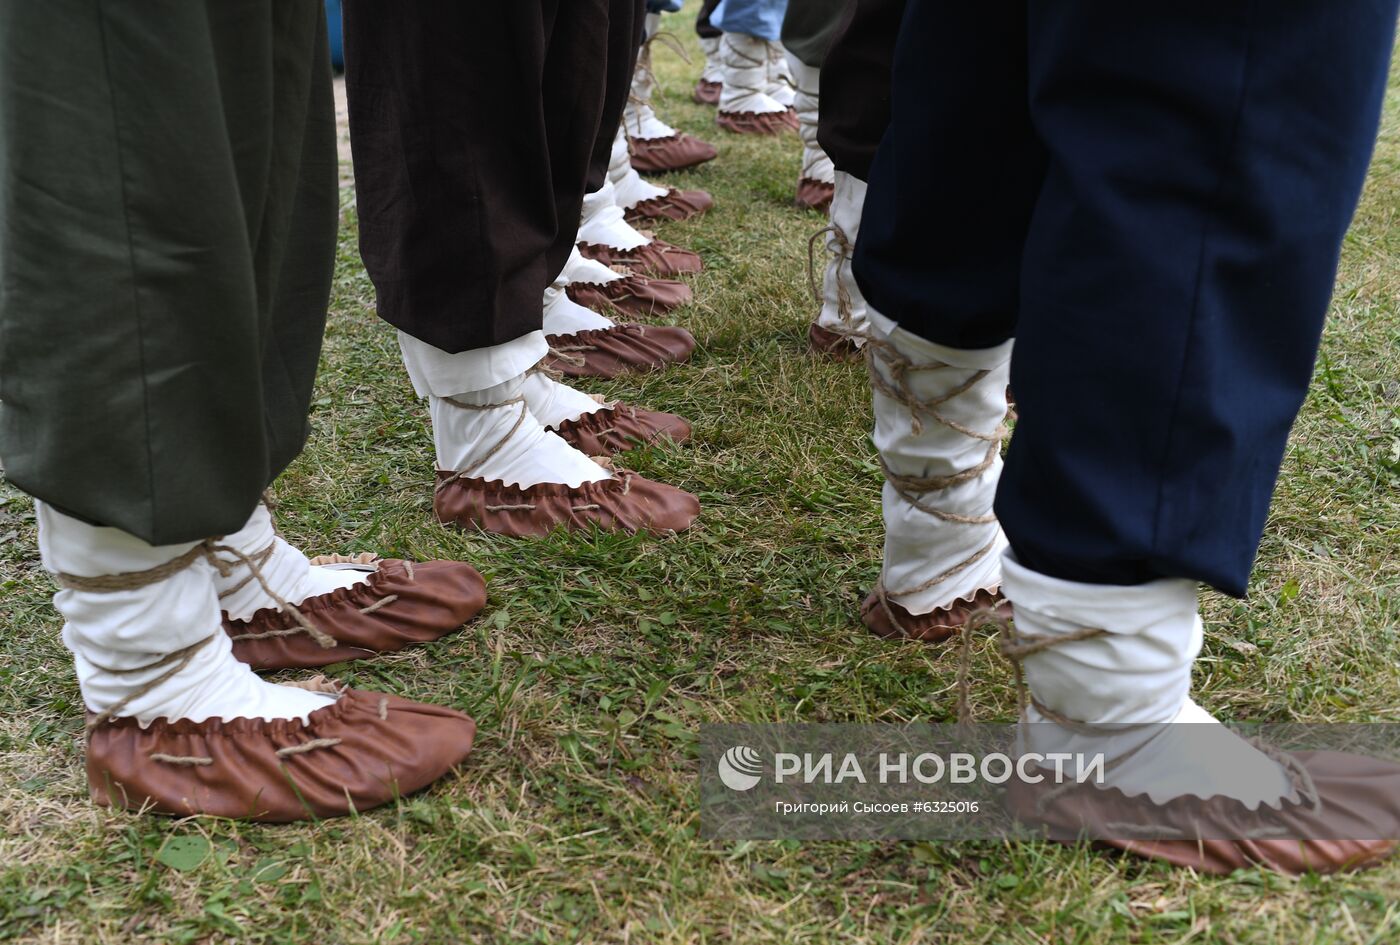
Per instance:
x=666, y=38
x=543, y=369
x=499, y=445
x=644, y=70
x=881, y=357
x=177, y=661
x=208, y=550
x=564, y=353
x=776, y=61
x=1015, y=646
x=260, y=558
x=752, y=63
x=225, y=569
x=842, y=251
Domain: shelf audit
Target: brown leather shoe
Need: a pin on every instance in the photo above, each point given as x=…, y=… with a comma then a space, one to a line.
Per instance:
x=673, y=153
x=626, y=503
x=832, y=344
x=657, y=258
x=758, y=123
x=707, y=93
x=672, y=205
x=887, y=618
x=621, y=427
x=401, y=603
x=633, y=294
x=1346, y=816
x=608, y=352
x=814, y=194
x=364, y=750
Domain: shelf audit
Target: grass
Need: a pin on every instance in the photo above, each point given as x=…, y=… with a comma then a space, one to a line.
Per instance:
x=600, y=656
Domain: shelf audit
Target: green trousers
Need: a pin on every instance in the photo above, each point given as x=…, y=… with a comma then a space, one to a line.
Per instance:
x=809, y=27
x=168, y=214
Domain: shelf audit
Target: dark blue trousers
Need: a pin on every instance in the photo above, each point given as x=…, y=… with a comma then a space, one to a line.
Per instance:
x=1150, y=197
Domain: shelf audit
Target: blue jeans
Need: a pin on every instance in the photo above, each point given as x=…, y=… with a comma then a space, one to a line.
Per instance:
x=761, y=18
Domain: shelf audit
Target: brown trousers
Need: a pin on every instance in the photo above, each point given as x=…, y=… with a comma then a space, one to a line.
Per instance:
x=475, y=138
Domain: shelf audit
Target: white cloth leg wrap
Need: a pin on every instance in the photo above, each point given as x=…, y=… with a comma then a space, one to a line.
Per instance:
x=942, y=541
x=712, y=72
x=602, y=223
x=491, y=434
x=286, y=570
x=564, y=316
x=434, y=371
x=628, y=187
x=118, y=638
x=781, y=83
x=815, y=164
x=639, y=118
x=499, y=443
x=580, y=269
x=552, y=402
x=843, y=306
x=744, y=62
x=1137, y=673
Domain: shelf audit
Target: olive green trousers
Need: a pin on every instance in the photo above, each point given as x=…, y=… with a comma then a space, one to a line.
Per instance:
x=809, y=26
x=168, y=214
